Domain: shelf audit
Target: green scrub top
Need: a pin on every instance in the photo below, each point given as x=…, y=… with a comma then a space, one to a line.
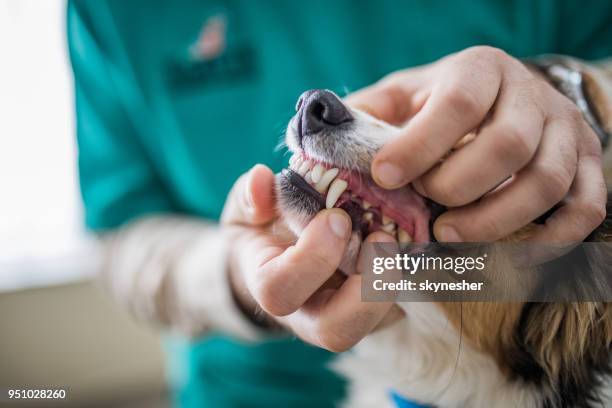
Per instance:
x=176, y=99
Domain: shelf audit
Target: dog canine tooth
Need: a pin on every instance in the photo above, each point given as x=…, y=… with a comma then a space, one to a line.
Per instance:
x=366, y=204
x=304, y=168
x=368, y=216
x=317, y=173
x=335, y=191
x=389, y=228
x=326, y=180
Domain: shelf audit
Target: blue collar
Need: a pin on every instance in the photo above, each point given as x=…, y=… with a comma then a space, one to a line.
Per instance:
x=400, y=402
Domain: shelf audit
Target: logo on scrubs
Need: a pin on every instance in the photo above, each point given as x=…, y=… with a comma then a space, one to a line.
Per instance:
x=211, y=40
x=214, y=58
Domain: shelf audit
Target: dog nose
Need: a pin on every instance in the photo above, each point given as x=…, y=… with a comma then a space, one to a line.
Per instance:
x=320, y=109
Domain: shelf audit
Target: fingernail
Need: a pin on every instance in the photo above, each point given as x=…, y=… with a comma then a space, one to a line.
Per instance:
x=339, y=224
x=389, y=175
x=380, y=236
x=248, y=195
x=446, y=233
x=249, y=198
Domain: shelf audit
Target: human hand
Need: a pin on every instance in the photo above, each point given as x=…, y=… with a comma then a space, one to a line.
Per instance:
x=297, y=283
x=533, y=149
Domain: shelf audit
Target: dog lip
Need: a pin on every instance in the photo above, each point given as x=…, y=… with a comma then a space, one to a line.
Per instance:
x=298, y=181
x=410, y=211
x=354, y=211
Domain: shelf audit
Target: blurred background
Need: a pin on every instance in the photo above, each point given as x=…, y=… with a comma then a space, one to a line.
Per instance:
x=57, y=326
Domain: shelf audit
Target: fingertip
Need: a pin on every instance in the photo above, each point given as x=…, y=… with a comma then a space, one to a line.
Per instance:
x=259, y=194
x=339, y=222
x=261, y=169
x=260, y=177
x=389, y=248
x=380, y=236
x=446, y=232
x=387, y=174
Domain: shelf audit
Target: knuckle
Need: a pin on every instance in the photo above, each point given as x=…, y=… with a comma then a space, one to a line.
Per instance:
x=273, y=304
x=572, y=113
x=270, y=295
x=483, y=57
x=594, y=213
x=390, y=86
x=331, y=340
x=554, y=182
x=447, y=191
x=513, y=145
x=490, y=229
x=425, y=148
x=591, y=146
x=391, y=79
x=487, y=52
x=462, y=101
x=273, y=286
x=529, y=97
x=317, y=261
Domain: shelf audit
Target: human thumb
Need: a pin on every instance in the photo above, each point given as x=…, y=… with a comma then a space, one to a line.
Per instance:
x=251, y=200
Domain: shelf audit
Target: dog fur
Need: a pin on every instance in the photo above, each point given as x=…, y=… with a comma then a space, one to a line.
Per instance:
x=464, y=354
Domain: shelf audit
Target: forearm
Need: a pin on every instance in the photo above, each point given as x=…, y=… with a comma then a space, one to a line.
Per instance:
x=171, y=271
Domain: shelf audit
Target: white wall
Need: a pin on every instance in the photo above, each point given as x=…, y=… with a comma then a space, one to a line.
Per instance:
x=69, y=335
x=41, y=236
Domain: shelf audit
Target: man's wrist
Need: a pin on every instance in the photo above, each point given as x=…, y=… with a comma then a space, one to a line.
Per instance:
x=203, y=294
x=243, y=300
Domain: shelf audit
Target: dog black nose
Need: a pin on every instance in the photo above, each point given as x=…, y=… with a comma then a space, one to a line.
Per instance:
x=320, y=109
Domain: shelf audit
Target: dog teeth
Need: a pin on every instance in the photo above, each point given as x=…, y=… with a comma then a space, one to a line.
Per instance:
x=317, y=173
x=386, y=220
x=296, y=163
x=308, y=177
x=389, y=228
x=403, y=237
x=304, y=167
x=326, y=180
x=368, y=216
x=335, y=191
x=366, y=204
